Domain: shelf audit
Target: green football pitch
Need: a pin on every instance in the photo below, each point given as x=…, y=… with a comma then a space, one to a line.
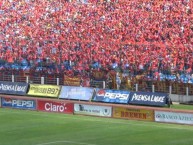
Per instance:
x=22, y=127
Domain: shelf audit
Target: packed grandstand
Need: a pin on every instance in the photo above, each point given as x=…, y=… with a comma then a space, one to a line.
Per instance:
x=135, y=37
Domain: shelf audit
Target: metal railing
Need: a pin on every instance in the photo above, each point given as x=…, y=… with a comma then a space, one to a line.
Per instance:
x=179, y=92
x=165, y=87
x=140, y=85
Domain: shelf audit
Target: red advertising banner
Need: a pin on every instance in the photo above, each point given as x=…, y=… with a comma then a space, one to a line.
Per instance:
x=53, y=106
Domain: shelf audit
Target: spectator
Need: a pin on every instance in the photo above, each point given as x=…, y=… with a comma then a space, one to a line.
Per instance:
x=140, y=36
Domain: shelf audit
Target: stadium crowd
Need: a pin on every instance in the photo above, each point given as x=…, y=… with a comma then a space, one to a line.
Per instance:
x=134, y=36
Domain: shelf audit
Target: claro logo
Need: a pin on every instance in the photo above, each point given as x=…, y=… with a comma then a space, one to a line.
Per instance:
x=55, y=108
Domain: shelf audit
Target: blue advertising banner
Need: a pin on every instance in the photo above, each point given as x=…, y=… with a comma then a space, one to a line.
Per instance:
x=148, y=98
x=15, y=88
x=18, y=103
x=111, y=96
x=76, y=93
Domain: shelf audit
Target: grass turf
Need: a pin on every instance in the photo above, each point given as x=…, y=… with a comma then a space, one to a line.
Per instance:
x=22, y=127
x=182, y=106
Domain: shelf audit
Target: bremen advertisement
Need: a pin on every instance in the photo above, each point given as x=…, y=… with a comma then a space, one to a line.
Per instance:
x=136, y=114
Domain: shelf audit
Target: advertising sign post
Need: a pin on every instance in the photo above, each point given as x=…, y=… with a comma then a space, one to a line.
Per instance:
x=53, y=106
x=76, y=93
x=44, y=90
x=10, y=102
x=93, y=110
x=174, y=117
x=111, y=96
x=135, y=114
x=15, y=88
x=148, y=98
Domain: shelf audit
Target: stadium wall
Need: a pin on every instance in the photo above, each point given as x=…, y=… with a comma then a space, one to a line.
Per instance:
x=130, y=112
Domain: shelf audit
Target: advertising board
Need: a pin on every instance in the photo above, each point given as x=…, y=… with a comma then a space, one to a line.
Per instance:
x=135, y=114
x=15, y=88
x=10, y=102
x=174, y=117
x=44, y=90
x=93, y=110
x=148, y=98
x=0, y=102
x=76, y=93
x=53, y=106
x=111, y=96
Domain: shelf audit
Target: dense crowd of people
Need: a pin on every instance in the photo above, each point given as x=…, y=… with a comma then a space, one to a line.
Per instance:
x=134, y=36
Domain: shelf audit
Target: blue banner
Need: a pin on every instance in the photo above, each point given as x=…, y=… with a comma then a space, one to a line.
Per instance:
x=148, y=98
x=15, y=88
x=111, y=96
x=18, y=103
x=76, y=93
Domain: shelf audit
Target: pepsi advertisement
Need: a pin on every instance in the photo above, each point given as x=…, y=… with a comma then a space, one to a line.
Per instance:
x=111, y=96
x=15, y=88
x=18, y=103
x=148, y=98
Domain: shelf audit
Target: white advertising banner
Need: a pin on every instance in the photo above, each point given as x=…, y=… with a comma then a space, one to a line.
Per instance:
x=93, y=110
x=76, y=93
x=174, y=117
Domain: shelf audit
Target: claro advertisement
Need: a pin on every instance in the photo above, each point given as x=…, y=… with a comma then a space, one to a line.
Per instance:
x=18, y=103
x=53, y=106
x=135, y=114
x=93, y=110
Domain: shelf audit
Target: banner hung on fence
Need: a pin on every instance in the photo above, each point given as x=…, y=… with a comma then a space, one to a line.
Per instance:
x=99, y=75
x=76, y=93
x=148, y=98
x=53, y=106
x=111, y=96
x=14, y=88
x=93, y=110
x=44, y=90
x=71, y=81
x=10, y=102
x=135, y=114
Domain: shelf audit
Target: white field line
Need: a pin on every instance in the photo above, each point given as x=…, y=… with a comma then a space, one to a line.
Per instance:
x=104, y=120
x=71, y=142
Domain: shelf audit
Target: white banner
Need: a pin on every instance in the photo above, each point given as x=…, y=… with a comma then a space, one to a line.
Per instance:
x=76, y=93
x=173, y=117
x=93, y=110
